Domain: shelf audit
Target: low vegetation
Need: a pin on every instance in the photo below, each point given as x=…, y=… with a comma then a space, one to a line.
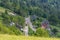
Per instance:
x=14, y=37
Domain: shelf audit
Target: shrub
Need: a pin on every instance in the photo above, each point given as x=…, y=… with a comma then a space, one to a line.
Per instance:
x=9, y=30
x=15, y=30
x=31, y=32
x=42, y=32
x=4, y=29
x=58, y=34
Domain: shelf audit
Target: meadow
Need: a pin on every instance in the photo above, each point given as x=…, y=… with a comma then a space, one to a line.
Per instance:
x=14, y=37
x=2, y=9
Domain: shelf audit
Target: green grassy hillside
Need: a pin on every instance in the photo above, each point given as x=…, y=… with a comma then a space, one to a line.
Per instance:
x=15, y=11
x=5, y=21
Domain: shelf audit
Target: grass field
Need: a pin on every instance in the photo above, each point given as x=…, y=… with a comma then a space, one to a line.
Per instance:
x=14, y=37
x=2, y=9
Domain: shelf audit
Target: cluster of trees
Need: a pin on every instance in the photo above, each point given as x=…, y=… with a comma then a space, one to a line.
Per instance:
x=48, y=9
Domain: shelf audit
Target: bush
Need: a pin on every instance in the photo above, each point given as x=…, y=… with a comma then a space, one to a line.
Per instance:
x=15, y=30
x=5, y=30
x=9, y=30
x=31, y=32
x=58, y=34
x=42, y=32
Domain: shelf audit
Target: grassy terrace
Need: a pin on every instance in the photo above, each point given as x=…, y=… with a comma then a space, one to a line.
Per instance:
x=2, y=9
x=14, y=37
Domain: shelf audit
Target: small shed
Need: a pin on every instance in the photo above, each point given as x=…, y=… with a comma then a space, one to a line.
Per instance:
x=45, y=24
